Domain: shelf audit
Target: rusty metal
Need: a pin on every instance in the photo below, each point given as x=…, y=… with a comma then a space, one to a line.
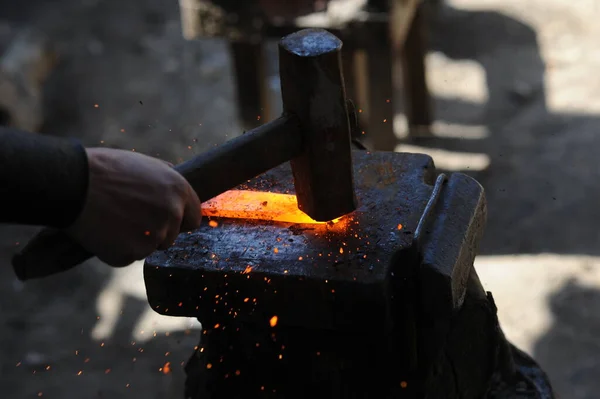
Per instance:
x=313, y=134
x=383, y=306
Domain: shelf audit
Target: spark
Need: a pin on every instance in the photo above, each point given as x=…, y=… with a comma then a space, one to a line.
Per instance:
x=247, y=270
x=273, y=321
x=166, y=369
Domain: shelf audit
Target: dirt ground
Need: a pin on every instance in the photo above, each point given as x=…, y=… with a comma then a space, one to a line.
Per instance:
x=517, y=104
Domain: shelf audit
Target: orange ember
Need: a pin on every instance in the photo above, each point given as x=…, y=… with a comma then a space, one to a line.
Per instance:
x=247, y=270
x=273, y=321
x=258, y=205
x=166, y=369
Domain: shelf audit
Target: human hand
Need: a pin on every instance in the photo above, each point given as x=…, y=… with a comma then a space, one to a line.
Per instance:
x=135, y=205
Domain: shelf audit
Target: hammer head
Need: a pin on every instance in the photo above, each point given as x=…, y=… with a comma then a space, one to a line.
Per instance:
x=312, y=88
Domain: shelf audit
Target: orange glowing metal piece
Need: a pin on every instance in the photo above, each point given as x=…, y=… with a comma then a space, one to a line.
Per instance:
x=273, y=321
x=258, y=205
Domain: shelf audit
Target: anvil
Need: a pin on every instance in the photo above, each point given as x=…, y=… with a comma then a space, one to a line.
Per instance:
x=385, y=302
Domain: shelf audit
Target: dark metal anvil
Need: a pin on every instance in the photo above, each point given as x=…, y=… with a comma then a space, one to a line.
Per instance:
x=386, y=302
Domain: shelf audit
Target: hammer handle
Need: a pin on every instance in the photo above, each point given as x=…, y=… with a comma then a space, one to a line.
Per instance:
x=210, y=174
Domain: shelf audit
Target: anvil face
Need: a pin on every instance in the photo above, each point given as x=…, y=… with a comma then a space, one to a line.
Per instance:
x=312, y=276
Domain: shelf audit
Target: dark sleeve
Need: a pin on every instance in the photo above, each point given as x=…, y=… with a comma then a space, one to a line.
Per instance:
x=43, y=179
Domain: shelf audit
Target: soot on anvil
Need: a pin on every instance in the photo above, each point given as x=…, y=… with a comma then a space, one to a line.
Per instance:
x=314, y=276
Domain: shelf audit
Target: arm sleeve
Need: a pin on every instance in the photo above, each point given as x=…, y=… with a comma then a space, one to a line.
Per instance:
x=43, y=180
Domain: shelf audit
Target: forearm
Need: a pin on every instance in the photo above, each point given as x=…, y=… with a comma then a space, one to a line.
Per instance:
x=44, y=179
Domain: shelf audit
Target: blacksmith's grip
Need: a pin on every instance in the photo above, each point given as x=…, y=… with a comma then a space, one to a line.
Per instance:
x=210, y=174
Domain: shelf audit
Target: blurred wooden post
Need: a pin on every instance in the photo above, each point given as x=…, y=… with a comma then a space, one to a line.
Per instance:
x=416, y=93
x=249, y=66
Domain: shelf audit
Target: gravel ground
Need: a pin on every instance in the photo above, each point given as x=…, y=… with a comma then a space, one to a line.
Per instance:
x=516, y=105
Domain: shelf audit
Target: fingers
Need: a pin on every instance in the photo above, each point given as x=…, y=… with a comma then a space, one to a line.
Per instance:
x=170, y=237
x=191, y=219
x=192, y=214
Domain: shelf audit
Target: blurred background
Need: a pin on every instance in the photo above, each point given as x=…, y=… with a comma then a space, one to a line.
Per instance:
x=516, y=103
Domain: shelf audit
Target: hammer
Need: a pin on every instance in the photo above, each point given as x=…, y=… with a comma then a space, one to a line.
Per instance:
x=313, y=133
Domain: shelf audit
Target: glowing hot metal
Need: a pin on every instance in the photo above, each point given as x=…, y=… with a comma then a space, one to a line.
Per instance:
x=258, y=205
